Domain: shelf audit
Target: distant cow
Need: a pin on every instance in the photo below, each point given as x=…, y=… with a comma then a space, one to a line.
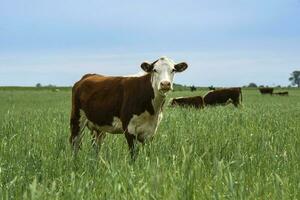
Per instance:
x=281, y=93
x=193, y=88
x=196, y=101
x=223, y=96
x=266, y=90
x=130, y=105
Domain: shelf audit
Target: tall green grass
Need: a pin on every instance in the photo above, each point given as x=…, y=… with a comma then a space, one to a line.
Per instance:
x=216, y=153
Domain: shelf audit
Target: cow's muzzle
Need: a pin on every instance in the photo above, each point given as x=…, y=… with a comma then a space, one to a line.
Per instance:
x=165, y=86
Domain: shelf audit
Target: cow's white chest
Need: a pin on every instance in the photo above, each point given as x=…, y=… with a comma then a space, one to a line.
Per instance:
x=144, y=125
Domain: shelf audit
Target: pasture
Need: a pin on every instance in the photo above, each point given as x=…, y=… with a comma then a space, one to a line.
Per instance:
x=252, y=152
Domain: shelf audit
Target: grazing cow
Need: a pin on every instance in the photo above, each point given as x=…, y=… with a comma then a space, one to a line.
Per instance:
x=193, y=88
x=223, y=96
x=266, y=90
x=196, y=101
x=131, y=105
x=281, y=93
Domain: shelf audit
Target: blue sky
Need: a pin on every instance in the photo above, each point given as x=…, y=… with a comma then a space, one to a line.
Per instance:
x=225, y=43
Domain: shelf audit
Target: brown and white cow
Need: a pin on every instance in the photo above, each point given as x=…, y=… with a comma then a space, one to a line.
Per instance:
x=131, y=105
x=223, y=96
x=196, y=101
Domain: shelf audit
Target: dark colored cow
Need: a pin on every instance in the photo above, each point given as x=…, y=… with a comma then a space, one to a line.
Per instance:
x=196, y=101
x=129, y=105
x=281, y=93
x=266, y=90
x=224, y=96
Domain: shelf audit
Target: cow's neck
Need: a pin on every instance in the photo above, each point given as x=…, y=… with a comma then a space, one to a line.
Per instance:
x=158, y=99
x=158, y=102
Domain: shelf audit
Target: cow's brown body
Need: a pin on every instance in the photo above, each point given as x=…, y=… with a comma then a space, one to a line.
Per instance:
x=196, y=101
x=266, y=90
x=223, y=96
x=103, y=99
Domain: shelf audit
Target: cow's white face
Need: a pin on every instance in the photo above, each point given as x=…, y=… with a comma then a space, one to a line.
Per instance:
x=162, y=73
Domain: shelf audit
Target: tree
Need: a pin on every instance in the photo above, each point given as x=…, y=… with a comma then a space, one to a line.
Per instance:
x=252, y=85
x=295, y=78
x=38, y=85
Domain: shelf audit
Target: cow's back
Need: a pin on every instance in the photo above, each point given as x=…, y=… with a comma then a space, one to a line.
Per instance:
x=196, y=101
x=221, y=96
x=215, y=97
x=104, y=98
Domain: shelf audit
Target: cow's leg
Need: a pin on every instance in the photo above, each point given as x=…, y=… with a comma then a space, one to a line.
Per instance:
x=236, y=102
x=98, y=137
x=77, y=127
x=132, y=144
x=74, y=126
x=146, y=141
x=77, y=124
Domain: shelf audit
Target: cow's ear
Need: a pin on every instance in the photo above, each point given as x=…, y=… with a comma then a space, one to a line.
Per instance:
x=147, y=67
x=180, y=67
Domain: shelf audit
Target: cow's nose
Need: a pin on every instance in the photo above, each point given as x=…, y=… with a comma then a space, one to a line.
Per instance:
x=165, y=85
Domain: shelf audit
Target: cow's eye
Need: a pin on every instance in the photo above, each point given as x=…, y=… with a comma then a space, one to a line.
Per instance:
x=154, y=70
x=173, y=70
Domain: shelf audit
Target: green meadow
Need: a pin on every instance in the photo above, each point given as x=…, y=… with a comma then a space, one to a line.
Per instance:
x=250, y=152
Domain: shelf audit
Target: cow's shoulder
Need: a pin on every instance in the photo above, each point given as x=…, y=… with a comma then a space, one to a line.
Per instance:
x=89, y=75
x=84, y=78
x=100, y=82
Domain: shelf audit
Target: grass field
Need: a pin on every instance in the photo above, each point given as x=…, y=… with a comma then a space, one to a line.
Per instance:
x=252, y=152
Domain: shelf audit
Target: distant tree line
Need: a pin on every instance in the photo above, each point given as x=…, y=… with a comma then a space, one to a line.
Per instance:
x=39, y=85
x=294, y=78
